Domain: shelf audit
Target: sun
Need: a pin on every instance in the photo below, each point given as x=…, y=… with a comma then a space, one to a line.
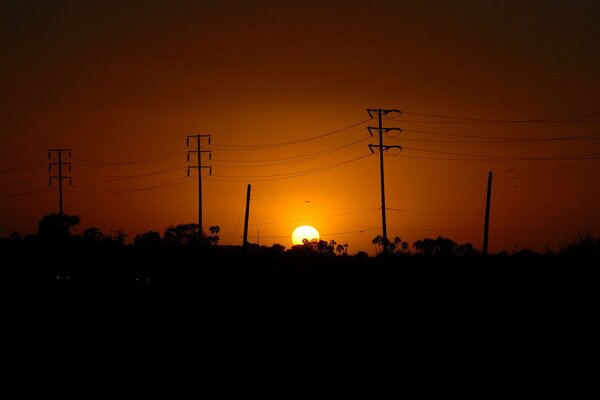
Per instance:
x=304, y=232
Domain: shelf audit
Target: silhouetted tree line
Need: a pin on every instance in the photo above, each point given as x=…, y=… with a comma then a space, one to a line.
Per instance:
x=179, y=235
x=185, y=255
x=443, y=247
x=434, y=280
x=57, y=227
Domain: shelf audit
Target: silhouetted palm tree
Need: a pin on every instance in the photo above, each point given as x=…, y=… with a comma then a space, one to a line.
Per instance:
x=378, y=241
x=213, y=239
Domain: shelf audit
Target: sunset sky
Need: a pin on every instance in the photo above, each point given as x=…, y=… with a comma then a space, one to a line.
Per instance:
x=510, y=87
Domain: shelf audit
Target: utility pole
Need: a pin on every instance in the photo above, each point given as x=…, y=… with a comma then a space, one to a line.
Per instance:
x=59, y=164
x=380, y=129
x=245, y=243
x=198, y=167
x=486, y=226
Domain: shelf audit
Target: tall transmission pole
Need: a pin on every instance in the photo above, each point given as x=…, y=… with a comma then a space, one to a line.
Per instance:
x=486, y=226
x=198, y=167
x=59, y=164
x=380, y=129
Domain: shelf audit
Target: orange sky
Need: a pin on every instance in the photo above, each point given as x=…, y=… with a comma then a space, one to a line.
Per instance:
x=122, y=83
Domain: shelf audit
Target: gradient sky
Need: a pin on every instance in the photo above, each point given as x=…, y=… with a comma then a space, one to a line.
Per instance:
x=123, y=81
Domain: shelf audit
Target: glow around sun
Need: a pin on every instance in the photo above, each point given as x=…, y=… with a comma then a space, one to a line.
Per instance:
x=304, y=232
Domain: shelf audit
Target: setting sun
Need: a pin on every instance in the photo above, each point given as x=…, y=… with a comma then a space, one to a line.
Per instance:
x=304, y=232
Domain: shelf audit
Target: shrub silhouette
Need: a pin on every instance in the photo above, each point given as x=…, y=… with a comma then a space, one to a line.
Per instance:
x=57, y=226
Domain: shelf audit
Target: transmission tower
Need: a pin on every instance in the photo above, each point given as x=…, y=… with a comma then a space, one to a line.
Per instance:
x=198, y=167
x=59, y=164
x=380, y=129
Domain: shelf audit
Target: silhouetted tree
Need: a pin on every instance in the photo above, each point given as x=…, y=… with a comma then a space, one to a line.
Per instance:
x=319, y=246
x=444, y=246
x=322, y=246
x=15, y=236
x=465, y=249
x=120, y=236
x=419, y=247
x=435, y=247
x=148, y=239
x=398, y=246
x=213, y=239
x=342, y=249
x=404, y=246
x=57, y=225
x=183, y=234
x=278, y=248
x=331, y=246
x=525, y=253
x=583, y=246
x=378, y=241
x=93, y=234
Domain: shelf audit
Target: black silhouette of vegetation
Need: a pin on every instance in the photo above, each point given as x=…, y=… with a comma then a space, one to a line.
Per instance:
x=57, y=226
x=184, y=259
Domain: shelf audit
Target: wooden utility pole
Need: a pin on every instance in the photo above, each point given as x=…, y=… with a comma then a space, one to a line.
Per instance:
x=245, y=243
x=486, y=226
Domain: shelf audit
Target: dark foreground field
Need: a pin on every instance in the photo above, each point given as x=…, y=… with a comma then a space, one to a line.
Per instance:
x=227, y=277
x=496, y=321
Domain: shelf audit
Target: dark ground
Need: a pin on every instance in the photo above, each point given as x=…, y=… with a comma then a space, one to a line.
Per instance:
x=224, y=278
x=453, y=323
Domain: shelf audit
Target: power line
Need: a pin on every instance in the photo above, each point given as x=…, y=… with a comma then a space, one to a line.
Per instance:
x=281, y=144
x=500, y=139
x=163, y=156
x=315, y=218
x=104, y=191
x=290, y=175
x=467, y=120
x=292, y=159
x=557, y=182
x=34, y=179
x=30, y=193
x=305, y=205
x=363, y=171
x=493, y=215
x=24, y=168
x=434, y=212
x=109, y=178
x=511, y=158
x=492, y=230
